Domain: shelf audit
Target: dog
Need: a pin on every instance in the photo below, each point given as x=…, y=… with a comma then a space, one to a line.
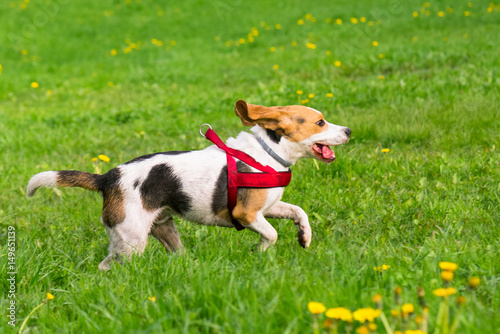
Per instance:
x=141, y=196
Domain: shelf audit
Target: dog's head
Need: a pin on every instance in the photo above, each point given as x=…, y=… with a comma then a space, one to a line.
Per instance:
x=305, y=127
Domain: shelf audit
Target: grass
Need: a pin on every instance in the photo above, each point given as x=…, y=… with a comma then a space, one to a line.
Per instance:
x=429, y=91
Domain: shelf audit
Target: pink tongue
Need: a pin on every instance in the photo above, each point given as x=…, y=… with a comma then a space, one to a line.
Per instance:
x=327, y=152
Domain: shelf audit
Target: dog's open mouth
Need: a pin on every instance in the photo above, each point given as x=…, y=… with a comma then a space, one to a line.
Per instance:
x=323, y=152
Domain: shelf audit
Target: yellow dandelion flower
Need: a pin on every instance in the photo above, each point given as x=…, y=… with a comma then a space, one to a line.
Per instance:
x=362, y=19
x=316, y=307
x=427, y=4
x=467, y=13
x=278, y=26
x=294, y=44
x=414, y=331
x=408, y=308
x=363, y=330
x=366, y=314
x=415, y=14
x=370, y=23
x=299, y=92
x=228, y=43
x=381, y=77
x=474, y=282
x=395, y=313
x=339, y=313
x=308, y=16
x=255, y=32
x=50, y=296
x=450, y=266
x=311, y=46
x=328, y=53
x=489, y=10
x=465, y=35
x=337, y=63
x=242, y=41
x=372, y=326
x=304, y=101
x=377, y=298
x=103, y=157
x=276, y=66
x=375, y=43
x=110, y=84
x=338, y=21
x=311, y=96
x=1, y=68
x=470, y=4
x=34, y=84
x=444, y=292
x=173, y=43
x=272, y=49
x=153, y=299
x=94, y=159
x=329, y=95
x=460, y=300
x=113, y=52
x=381, y=55
x=385, y=266
x=384, y=150
x=250, y=38
x=354, y=20
x=300, y=22
x=441, y=14
x=447, y=276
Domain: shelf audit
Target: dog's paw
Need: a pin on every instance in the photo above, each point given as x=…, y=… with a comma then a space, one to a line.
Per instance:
x=304, y=237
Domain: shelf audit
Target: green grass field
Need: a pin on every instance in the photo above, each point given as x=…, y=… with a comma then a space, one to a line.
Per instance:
x=127, y=78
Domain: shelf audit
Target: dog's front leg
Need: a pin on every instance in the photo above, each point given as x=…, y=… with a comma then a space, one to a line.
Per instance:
x=256, y=222
x=289, y=211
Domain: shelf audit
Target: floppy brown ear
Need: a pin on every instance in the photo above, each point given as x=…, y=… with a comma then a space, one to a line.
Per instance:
x=241, y=110
x=252, y=114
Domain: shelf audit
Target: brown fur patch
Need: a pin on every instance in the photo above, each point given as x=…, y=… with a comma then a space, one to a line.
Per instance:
x=294, y=122
x=74, y=178
x=249, y=204
x=113, y=207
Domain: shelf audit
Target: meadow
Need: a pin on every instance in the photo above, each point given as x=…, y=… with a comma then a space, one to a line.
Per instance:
x=418, y=183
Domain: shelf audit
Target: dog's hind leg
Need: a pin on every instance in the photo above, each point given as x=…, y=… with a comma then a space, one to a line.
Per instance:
x=127, y=238
x=165, y=231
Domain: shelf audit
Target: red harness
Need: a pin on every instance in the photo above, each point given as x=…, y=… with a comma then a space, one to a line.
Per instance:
x=268, y=179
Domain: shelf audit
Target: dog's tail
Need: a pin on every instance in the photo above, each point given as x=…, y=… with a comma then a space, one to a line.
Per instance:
x=63, y=178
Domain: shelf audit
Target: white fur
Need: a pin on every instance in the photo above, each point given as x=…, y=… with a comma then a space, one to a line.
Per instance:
x=44, y=179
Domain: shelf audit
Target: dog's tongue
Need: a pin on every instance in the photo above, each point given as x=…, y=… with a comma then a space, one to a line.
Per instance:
x=327, y=152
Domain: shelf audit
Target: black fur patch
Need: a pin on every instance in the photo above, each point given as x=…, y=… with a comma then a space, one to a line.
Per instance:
x=273, y=136
x=219, y=198
x=162, y=188
x=136, y=183
x=148, y=156
x=300, y=120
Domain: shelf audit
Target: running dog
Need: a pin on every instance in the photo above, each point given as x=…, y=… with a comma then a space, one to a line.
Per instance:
x=140, y=197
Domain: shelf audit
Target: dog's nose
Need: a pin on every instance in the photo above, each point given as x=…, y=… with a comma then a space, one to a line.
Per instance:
x=347, y=132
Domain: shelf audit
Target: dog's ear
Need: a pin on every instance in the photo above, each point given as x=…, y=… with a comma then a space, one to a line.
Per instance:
x=266, y=117
x=241, y=110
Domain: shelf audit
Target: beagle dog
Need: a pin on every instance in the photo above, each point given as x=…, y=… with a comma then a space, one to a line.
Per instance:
x=140, y=197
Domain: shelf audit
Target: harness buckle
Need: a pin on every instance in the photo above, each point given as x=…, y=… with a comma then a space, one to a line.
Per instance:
x=201, y=128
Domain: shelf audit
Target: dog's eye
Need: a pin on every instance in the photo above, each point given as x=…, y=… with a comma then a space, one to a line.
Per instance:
x=321, y=122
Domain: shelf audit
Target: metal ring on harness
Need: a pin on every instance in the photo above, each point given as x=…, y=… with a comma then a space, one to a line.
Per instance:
x=201, y=127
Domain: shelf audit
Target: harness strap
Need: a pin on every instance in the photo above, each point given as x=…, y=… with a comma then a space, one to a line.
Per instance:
x=270, y=178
